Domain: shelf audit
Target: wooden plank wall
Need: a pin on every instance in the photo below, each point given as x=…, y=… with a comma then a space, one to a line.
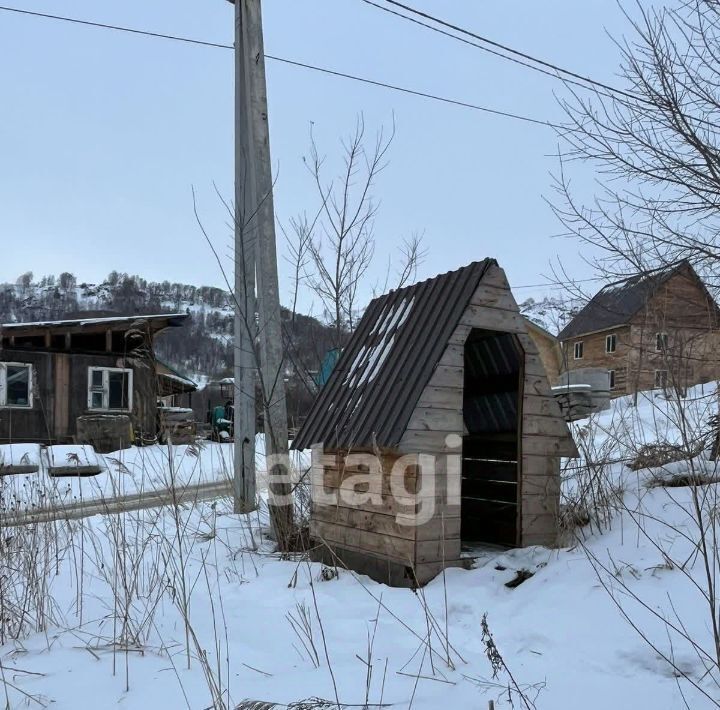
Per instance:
x=33, y=424
x=60, y=395
x=366, y=536
x=549, y=350
x=61, y=417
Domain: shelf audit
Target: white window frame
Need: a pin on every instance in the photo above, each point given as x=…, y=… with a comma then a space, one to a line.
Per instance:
x=667, y=377
x=3, y=385
x=611, y=340
x=665, y=339
x=580, y=343
x=611, y=378
x=106, y=389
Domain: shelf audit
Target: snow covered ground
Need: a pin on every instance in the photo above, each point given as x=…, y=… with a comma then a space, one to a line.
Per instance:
x=134, y=595
x=130, y=471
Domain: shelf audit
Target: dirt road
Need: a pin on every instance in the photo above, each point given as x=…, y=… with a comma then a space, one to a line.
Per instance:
x=123, y=504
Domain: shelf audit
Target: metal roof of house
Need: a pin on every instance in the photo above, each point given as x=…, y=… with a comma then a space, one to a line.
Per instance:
x=617, y=303
x=377, y=382
x=158, y=321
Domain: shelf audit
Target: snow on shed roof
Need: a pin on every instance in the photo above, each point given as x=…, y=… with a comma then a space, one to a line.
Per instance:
x=377, y=382
x=185, y=382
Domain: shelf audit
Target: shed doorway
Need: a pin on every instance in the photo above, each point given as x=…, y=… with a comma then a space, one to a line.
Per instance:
x=491, y=439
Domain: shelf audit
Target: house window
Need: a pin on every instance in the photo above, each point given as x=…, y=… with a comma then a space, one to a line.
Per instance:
x=579, y=350
x=661, y=342
x=661, y=379
x=110, y=389
x=611, y=375
x=610, y=343
x=16, y=385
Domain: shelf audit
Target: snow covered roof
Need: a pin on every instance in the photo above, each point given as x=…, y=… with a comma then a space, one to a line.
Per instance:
x=174, y=381
x=377, y=382
x=163, y=320
x=185, y=381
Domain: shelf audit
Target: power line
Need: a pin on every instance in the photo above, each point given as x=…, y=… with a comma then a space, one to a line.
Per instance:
x=414, y=92
x=577, y=79
x=555, y=69
x=291, y=62
x=131, y=30
x=559, y=284
x=551, y=74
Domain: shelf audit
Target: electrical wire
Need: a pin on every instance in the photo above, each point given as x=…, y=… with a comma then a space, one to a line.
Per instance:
x=290, y=62
x=551, y=74
x=549, y=68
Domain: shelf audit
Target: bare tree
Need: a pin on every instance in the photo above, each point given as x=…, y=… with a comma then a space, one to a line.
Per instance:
x=67, y=281
x=552, y=313
x=654, y=147
x=25, y=280
x=332, y=253
x=279, y=489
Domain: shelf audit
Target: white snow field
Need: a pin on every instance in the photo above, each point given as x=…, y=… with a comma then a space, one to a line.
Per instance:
x=132, y=471
x=189, y=607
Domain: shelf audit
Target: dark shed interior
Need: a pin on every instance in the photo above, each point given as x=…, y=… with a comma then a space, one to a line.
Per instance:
x=491, y=395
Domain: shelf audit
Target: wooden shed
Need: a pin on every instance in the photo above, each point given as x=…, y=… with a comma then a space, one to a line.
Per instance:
x=435, y=433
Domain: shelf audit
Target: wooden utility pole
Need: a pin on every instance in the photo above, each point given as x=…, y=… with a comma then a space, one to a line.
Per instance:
x=256, y=174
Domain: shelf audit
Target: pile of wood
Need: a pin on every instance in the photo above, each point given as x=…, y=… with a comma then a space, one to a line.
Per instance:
x=176, y=425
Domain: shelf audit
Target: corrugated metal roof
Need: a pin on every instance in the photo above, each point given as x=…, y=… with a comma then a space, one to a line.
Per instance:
x=378, y=380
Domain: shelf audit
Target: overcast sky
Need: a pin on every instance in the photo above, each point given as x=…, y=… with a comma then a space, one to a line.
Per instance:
x=103, y=134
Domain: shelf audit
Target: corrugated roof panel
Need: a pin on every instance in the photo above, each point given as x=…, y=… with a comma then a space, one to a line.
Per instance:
x=378, y=380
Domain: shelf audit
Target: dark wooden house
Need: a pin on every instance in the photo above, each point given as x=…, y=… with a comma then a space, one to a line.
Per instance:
x=53, y=373
x=654, y=330
x=436, y=430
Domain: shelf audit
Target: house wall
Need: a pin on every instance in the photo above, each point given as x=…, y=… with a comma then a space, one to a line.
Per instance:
x=549, y=350
x=595, y=355
x=36, y=423
x=60, y=383
x=682, y=309
x=366, y=534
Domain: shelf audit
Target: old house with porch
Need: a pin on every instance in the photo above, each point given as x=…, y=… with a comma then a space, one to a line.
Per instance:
x=56, y=374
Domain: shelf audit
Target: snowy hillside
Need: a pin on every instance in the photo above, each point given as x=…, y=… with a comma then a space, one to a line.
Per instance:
x=202, y=349
x=191, y=608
